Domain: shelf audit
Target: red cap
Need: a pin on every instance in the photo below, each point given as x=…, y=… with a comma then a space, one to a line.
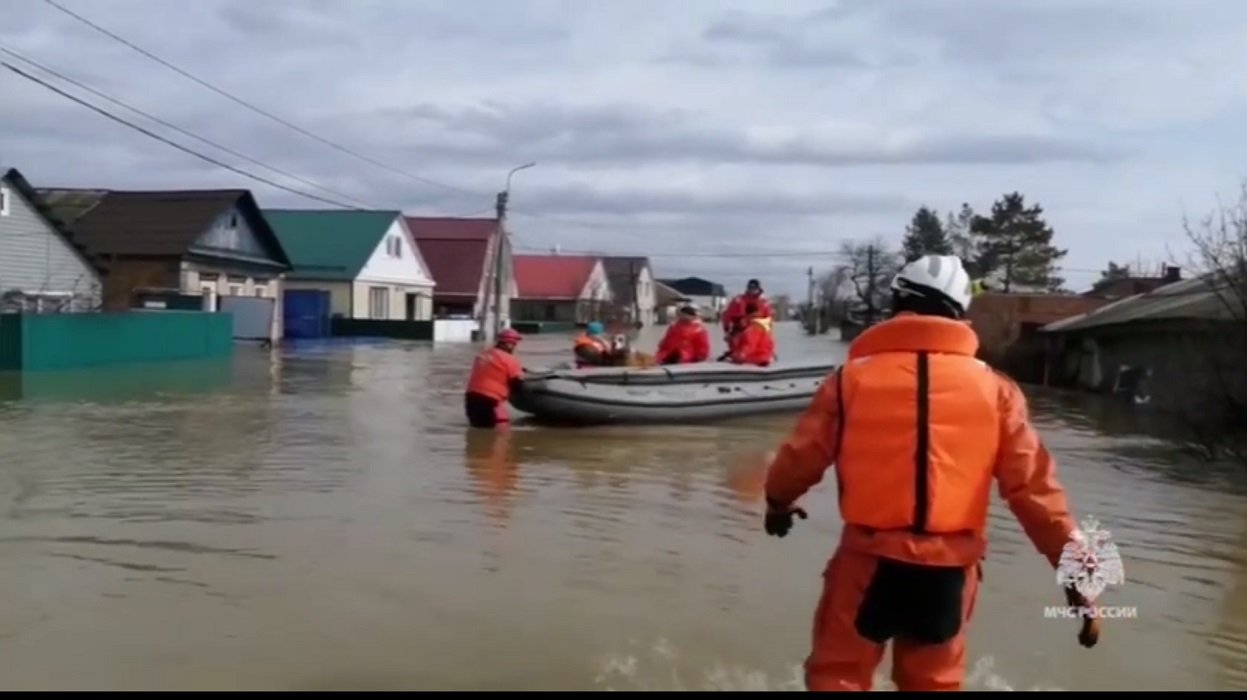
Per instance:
x=509, y=335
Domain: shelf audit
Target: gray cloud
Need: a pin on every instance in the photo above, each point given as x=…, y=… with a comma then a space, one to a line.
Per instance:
x=755, y=130
x=620, y=134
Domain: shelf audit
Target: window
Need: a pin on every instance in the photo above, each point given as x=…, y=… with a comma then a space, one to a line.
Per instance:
x=4, y=201
x=260, y=290
x=379, y=303
x=235, y=290
x=394, y=247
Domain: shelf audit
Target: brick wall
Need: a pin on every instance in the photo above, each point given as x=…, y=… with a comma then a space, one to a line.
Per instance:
x=1007, y=327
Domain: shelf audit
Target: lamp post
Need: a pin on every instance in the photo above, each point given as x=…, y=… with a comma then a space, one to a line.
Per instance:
x=504, y=244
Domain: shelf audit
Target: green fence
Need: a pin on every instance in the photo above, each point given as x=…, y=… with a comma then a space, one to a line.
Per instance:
x=32, y=342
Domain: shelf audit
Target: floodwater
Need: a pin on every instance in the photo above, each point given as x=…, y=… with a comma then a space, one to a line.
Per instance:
x=318, y=518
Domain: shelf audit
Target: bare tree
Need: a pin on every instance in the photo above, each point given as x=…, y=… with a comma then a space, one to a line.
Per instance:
x=870, y=267
x=1216, y=410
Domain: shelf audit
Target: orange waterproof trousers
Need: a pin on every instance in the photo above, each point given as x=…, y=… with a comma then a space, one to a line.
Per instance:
x=868, y=601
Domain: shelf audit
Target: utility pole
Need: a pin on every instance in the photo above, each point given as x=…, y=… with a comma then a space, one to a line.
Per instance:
x=813, y=316
x=871, y=274
x=633, y=282
x=502, y=248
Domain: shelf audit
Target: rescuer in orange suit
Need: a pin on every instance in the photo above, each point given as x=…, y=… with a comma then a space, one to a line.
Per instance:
x=918, y=429
x=735, y=316
x=687, y=340
x=754, y=344
x=495, y=374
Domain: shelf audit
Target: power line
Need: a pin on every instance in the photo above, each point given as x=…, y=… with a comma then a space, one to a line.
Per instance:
x=253, y=108
x=158, y=137
x=181, y=130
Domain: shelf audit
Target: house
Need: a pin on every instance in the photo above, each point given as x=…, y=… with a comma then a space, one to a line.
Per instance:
x=1008, y=327
x=462, y=255
x=560, y=288
x=366, y=261
x=42, y=268
x=213, y=244
x=667, y=302
x=632, y=289
x=1122, y=287
x=1186, y=339
x=709, y=297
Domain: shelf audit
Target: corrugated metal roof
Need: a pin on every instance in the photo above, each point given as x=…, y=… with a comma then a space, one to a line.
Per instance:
x=329, y=244
x=456, y=251
x=1196, y=298
x=553, y=277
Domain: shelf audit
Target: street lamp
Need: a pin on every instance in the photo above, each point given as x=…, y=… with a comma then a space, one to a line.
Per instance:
x=503, y=244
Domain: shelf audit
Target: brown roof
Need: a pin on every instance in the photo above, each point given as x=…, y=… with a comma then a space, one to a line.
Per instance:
x=159, y=223
x=455, y=251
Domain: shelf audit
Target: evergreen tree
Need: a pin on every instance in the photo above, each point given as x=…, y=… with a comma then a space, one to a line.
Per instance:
x=1016, y=242
x=925, y=236
x=1115, y=272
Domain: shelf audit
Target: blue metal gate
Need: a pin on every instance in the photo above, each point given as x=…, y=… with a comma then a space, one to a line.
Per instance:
x=306, y=313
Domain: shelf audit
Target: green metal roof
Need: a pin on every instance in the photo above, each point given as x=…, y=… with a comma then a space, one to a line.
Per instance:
x=329, y=244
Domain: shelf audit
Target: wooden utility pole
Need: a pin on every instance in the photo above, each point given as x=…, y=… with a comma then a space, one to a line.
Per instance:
x=871, y=274
x=813, y=315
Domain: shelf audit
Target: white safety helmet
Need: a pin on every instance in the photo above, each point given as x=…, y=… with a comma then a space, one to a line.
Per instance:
x=941, y=278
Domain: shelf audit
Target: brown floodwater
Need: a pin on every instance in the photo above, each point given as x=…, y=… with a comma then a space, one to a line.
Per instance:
x=319, y=518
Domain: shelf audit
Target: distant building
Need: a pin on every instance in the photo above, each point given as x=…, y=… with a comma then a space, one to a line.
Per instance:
x=667, y=302
x=709, y=297
x=1122, y=287
x=215, y=244
x=42, y=268
x=560, y=288
x=1184, y=340
x=367, y=261
x=462, y=256
x=632, y=288
x=1008, y=327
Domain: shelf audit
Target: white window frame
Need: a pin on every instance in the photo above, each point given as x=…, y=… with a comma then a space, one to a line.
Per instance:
x=379, y=303
x=6, y=196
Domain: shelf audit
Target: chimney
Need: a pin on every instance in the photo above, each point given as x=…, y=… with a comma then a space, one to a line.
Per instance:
x=1172, y=274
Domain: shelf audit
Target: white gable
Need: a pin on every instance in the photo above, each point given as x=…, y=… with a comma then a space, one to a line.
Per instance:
x=397, y=259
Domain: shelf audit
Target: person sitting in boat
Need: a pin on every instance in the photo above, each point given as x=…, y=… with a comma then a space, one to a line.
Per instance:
x=686, y=341
x=495, y=374
x=736, y=317
x=593, y=348
x=754, y=345
x=914, y=539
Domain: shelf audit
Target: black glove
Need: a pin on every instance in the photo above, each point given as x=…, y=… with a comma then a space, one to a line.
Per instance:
x=1089, y=634
x=779, y=518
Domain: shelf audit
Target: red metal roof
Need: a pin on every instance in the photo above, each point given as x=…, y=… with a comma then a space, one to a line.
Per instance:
x=455, y=251
x=552, y=276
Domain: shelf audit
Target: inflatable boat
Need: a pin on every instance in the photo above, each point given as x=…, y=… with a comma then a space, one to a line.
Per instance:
x=672, y=394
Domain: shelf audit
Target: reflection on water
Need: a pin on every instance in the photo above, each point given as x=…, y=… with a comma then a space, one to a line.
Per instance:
x=320, y=518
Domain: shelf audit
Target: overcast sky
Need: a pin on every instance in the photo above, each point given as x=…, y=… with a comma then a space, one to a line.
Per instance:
x=687, y=130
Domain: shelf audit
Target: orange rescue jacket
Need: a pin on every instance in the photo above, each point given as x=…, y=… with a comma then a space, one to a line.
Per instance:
x=689, y=340
x=596, y=347
x=918, y=430
x=492, y=374
x=754, y=345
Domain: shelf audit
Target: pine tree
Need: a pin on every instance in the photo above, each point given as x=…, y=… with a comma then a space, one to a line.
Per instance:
x=925, y=236
x=1017, y=242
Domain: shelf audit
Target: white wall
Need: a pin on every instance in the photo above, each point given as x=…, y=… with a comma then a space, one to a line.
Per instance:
x=396, y=265
x=597, y=287
x=35, y=258
x=453, y=330
x=214, y=282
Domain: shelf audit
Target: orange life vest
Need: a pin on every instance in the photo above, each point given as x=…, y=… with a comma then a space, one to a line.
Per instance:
x=492, y=372
x=920, y=428
x=600, y=344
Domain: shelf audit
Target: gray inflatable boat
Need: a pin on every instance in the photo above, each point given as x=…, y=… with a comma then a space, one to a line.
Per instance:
x=674, y=394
